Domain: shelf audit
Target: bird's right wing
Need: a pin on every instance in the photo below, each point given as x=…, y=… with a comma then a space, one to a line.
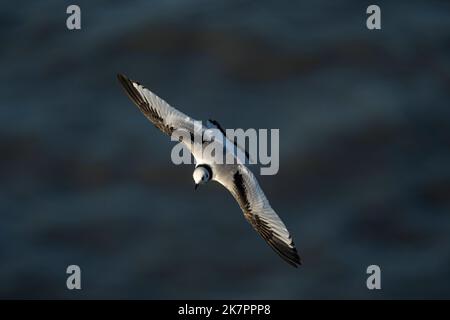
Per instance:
x=159, y=112
x=256, y=208
x=216, y=125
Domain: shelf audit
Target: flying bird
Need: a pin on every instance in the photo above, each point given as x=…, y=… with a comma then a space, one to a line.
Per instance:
x=236, y=178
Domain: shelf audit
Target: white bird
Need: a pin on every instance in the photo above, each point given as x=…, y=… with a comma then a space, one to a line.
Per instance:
x=236, y=178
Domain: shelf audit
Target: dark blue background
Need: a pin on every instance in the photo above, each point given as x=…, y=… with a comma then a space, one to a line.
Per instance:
x=364, y=119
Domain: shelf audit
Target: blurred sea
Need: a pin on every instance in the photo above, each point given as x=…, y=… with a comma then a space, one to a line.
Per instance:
x=364, y=119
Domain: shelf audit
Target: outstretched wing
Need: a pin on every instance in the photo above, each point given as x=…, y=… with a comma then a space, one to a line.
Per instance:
x=159, y=112
x=256, y=208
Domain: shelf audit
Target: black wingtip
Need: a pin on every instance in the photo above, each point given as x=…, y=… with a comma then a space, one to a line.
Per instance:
x=122, y=78
x=295, y=261
x=287, y=253
x=298, y=260
x=131, y=91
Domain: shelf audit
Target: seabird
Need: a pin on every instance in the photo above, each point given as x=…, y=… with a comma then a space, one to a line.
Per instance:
x=236, y=178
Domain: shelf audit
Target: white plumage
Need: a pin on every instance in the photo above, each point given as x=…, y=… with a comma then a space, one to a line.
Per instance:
x=236, y=178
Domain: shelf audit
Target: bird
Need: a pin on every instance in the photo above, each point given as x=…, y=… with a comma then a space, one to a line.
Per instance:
x=236, y=178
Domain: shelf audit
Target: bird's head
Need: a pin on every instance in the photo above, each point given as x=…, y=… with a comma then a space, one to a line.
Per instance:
x=202, y=174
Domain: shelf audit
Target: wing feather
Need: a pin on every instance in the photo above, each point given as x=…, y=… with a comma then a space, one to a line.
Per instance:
x=258, y=212
x=159, y=112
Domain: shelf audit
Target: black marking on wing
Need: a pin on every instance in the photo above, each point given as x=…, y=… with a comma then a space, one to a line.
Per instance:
x=147, y=109
x=241, y=192
x=221, y=129
x=289, y=254
x=218, y=126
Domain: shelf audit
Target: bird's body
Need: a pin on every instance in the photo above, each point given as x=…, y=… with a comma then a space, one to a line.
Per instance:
x=235, y=177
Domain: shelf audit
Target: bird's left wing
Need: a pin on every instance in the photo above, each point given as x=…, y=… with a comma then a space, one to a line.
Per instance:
x=159, y=112
x=256, y=208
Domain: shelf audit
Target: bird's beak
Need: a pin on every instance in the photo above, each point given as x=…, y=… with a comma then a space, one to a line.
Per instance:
x=195, y=186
